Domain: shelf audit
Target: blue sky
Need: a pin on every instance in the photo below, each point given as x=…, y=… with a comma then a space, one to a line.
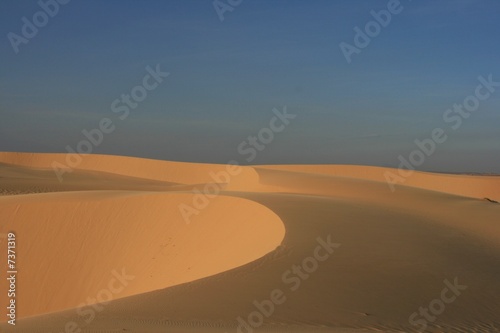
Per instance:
x=227, y=76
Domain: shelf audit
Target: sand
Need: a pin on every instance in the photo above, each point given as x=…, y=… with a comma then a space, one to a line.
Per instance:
x=283, y=248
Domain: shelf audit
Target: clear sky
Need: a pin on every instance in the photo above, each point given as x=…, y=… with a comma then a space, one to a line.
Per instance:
x=227, y=76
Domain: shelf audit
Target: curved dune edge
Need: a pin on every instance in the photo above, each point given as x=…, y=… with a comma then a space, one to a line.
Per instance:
x=396, y=250
x=77, y=244
x=385, y=269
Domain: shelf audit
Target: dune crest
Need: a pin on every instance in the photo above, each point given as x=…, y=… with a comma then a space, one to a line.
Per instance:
x=458, y=184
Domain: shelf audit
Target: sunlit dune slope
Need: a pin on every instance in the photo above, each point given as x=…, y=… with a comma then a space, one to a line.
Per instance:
x=70, y=244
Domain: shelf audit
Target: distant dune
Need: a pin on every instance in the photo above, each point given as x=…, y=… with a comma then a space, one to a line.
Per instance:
x=187, y=247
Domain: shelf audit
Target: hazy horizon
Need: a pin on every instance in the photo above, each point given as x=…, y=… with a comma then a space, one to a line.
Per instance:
x=226, y=77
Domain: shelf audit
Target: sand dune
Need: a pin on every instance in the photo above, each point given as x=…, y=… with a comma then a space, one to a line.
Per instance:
x=465, y=185
x=72, y=242
x=389, y=254
x=172, y=172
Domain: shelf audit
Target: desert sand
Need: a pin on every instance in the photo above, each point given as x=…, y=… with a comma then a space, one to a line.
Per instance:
x=126, y=244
